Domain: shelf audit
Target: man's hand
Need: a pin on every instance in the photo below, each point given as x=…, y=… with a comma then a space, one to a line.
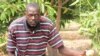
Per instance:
x=79, y=53
x=69, y=52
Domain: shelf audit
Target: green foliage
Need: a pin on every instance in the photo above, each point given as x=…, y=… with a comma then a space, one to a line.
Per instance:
x=2, y=40
x=9, y=11
x=90, y=20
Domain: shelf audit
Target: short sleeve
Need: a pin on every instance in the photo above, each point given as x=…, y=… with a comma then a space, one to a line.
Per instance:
x=55, y=40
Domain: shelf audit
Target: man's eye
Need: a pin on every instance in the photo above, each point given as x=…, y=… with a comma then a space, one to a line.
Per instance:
x=30, y=15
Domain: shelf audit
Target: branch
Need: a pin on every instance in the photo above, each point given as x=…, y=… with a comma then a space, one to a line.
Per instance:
x=65, y=2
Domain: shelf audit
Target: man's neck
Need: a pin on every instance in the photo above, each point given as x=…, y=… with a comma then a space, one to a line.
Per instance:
x=32, y=28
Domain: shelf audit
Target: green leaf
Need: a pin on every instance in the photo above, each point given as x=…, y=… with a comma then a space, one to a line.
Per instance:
x=51, y=10
x=43, y=8
x=65, y=10
x=3, y=16
x=74, y=3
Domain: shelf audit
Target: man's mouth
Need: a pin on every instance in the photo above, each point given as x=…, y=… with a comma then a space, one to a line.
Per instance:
x=33, y=24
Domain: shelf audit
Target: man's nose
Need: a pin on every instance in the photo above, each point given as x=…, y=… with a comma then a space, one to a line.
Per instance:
x=33, y=18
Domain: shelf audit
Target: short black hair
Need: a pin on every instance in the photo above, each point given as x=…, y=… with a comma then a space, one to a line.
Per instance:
x=34, y=5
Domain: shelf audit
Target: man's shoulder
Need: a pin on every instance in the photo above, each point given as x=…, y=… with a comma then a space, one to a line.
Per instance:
x=46, y=19
x=47, y=22
x=17, y=21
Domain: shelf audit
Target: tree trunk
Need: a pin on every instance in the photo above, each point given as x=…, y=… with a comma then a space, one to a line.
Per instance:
x=58, y=15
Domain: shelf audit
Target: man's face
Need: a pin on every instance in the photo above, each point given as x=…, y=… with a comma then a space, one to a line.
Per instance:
x=33, y=16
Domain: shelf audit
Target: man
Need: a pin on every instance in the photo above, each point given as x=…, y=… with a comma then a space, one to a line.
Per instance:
x=30, y=34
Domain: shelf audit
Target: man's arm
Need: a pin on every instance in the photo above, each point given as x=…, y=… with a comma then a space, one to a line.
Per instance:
x=69, y=52
x=11, y=42
x=56, y=42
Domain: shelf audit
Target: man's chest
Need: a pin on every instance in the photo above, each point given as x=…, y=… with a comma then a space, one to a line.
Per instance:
x=24, y=36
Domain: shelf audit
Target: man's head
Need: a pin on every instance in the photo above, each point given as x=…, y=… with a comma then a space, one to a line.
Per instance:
x=33, y=14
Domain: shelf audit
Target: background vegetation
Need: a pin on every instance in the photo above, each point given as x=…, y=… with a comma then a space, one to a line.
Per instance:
x=85, y=12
